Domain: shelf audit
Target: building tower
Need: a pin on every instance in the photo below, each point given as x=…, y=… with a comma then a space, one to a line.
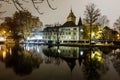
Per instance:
x=71, y=17
x=80, y=22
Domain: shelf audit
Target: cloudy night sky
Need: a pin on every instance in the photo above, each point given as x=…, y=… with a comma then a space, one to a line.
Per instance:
x=110, y=8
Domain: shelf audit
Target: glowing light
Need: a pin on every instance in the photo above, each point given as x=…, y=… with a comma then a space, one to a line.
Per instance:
x=2, y=39
x=97, y=55
x=34, y=37
x=118, y=36
x=4, y=54
x=81, y=30
x=4, y=32
x=81, y=53
x=93, y=34
x=93, y=55
x=59, y=51
x=10, y=51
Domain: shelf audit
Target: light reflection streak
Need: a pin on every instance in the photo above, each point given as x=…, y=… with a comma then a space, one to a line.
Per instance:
x=4, y=55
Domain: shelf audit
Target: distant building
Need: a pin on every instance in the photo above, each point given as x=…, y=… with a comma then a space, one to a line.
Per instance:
x=69, y=31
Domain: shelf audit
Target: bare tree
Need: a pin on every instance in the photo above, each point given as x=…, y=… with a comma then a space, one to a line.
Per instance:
x=19, y=4
x=103, y=21
x=117, y=24
x=91, y=15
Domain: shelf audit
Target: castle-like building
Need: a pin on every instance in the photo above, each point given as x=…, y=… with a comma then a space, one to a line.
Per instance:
x=69, y=31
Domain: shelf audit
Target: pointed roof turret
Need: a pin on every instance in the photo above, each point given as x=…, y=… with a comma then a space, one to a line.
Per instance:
x=71, y=14
x=80, y=22
x=70, y=61
x=71, y=17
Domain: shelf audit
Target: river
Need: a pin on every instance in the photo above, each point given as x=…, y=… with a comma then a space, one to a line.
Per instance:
x=38, y=62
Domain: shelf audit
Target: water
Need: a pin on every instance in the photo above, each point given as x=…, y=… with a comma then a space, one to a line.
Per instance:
x=37, y=62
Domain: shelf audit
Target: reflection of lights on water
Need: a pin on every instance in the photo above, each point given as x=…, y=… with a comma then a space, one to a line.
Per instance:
x=100, y=59
x=81, y=53
x=118, y=36
x=2, y=39
x=0, y=48
x=4, y=54
x=33, y=48
x=59, y=51
x=10, y=51
x=27, y=48
x=38, y=49
x=97, y=55
x=93, y=55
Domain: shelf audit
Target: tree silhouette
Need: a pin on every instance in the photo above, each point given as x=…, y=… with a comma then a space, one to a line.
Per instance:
x=21, y=61
x=92, y=68
x=117, y=24
x=103, y=21
x=21, y=24
x=91, y=15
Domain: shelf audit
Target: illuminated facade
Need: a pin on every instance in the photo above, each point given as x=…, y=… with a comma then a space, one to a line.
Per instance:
x=69, y=31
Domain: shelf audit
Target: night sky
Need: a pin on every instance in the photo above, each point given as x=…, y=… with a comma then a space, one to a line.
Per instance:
x=107, y=7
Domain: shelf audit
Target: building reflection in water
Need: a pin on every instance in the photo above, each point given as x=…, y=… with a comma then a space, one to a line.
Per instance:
x=23, y=59
x=94, y=64
x=92, y=59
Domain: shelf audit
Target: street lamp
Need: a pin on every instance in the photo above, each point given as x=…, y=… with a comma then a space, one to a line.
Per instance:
x=118, y=36
x=3, y=33
x=92, y=35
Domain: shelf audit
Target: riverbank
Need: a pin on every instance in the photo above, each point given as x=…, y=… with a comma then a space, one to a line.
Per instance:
x=84, y=45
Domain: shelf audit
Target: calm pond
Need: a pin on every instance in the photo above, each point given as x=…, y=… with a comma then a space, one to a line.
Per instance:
x=38, y=62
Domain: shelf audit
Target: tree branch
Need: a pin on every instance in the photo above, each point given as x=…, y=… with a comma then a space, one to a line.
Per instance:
x=50, y=5
x=19, y=6
x=36, y=7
